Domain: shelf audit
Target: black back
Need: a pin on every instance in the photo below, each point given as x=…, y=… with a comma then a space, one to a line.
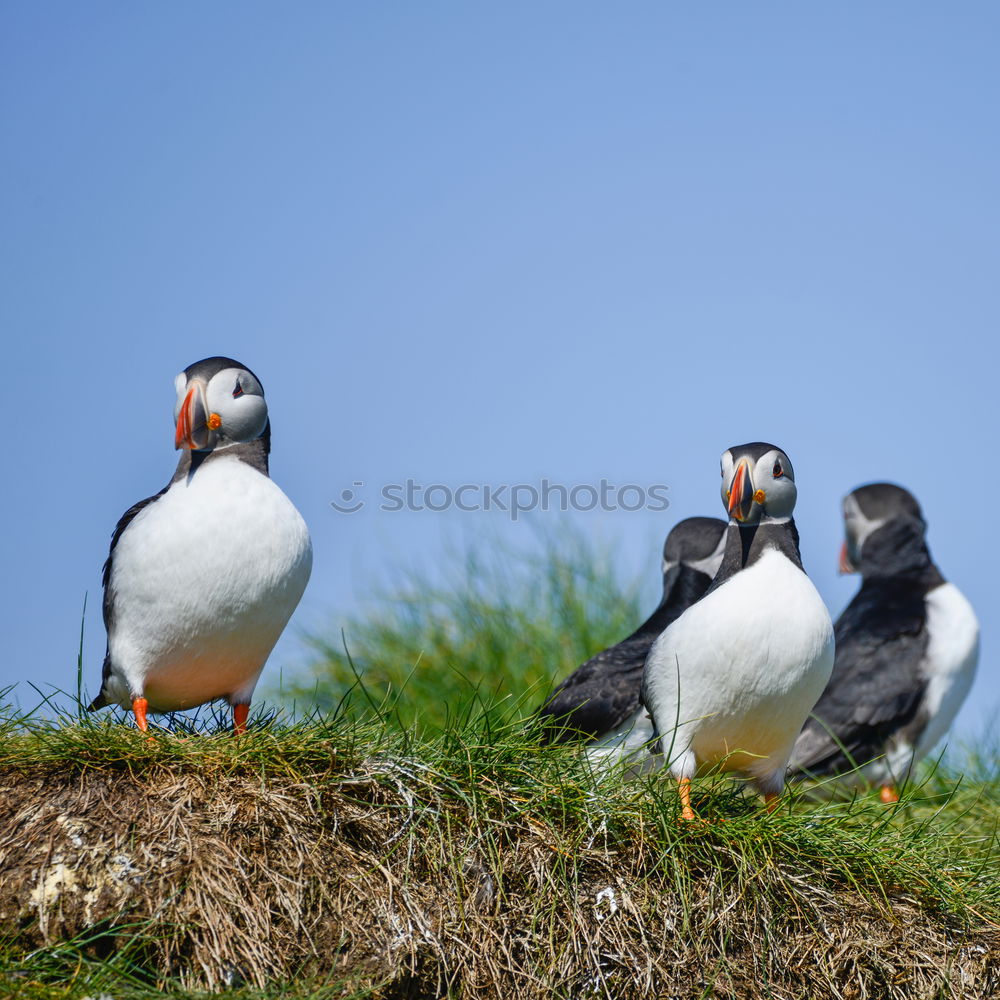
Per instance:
x=877, y=686
x=603, y=692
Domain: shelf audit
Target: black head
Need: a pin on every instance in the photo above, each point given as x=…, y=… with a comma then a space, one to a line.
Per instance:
x=884, y=501
x=219, y=402
x=697, y=542
x=869, y=508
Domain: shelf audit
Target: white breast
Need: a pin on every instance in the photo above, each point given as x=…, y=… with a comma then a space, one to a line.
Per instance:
x=948, y=669
x=204, y=579
x=733, y=679
x=950, y=665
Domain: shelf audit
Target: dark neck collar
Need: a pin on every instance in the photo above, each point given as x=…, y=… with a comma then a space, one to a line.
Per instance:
x=253, y=453
x=682, y=586
x=746, y=543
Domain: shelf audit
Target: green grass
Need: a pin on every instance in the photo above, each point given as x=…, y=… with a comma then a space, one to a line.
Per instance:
x=499, y=629
x=416, y=790
x=485, y=790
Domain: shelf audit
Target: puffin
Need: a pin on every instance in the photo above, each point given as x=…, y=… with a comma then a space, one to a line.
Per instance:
x=203, y=576
x=599, y=696
x=907, y=651
x=730, y=683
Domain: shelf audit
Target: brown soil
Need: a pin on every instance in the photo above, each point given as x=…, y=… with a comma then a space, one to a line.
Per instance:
x=359, y=878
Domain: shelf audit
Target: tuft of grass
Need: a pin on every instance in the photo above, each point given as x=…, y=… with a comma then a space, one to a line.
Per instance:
x=500, y=629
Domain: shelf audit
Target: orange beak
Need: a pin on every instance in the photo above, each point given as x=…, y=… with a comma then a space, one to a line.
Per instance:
x=740, y=493
x=845, y=564
x=192, y=421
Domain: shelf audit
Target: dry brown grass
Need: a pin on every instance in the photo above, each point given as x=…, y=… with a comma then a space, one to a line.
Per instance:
x=387, y=876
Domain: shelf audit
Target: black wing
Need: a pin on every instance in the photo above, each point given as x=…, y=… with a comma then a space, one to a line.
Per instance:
x=877, y=684
x=600, y=694
x=604, y=692
x=109, y=603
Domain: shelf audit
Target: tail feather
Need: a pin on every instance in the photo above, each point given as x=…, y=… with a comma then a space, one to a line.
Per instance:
x=101, y=700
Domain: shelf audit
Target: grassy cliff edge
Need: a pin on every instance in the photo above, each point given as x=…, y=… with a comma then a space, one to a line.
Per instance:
x=353, y=860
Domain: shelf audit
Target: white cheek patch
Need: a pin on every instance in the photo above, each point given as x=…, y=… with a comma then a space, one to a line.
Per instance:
x=727, y=477
x=727, y=466
x=857, y=528
x=780, y=493
x=246, y=420
x=709, y=565
x=244, y=415
x=180, y=387
x=764, y=469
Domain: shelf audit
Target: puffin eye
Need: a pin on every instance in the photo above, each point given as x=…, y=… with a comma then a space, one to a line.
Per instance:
x=238, y=391
x=777, y=471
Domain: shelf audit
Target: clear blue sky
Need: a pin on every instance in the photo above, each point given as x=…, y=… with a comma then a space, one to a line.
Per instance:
x=461, y=242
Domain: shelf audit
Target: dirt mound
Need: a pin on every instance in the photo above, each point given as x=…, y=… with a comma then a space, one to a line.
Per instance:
x=370, y=879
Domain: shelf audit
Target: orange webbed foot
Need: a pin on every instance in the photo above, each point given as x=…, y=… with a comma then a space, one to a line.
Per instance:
x=684, y=790
x=140, y=706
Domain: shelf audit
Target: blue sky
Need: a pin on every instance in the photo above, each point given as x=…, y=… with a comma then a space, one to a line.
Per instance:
x=470, y=244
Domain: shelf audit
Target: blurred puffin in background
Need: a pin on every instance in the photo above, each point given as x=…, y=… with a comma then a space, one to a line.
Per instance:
x=907, y=649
